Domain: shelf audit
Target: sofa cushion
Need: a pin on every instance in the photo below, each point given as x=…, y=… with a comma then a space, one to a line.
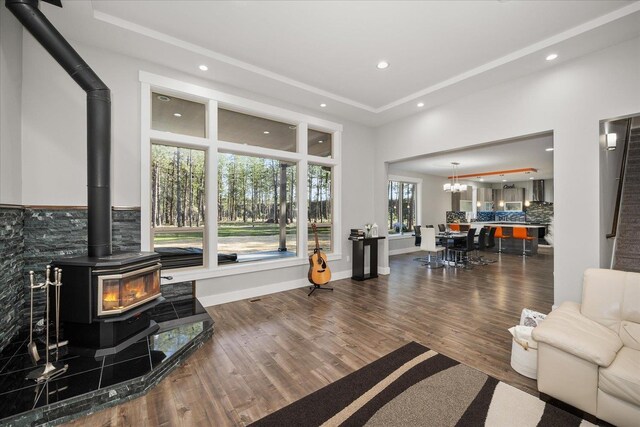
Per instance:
x=630, y=324
x=621, y=379
x=568, y=330
x=630, y=334
x=602, y=295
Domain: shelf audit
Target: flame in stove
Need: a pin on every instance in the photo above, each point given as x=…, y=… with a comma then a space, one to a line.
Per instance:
x=119, y=294
x=110, y=297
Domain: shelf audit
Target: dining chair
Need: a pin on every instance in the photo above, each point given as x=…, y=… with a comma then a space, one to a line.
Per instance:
x=463, y=251
x=480, y=246
x=416, y=229
x=429, y=245
x=491, y=243
x=442, y=228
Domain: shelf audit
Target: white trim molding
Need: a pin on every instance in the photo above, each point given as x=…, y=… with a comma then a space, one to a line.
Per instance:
x=223, y=298
x=404, y=250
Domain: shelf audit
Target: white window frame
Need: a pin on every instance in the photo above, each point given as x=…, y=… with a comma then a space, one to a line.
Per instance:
x=410, y=180
x=149, y=83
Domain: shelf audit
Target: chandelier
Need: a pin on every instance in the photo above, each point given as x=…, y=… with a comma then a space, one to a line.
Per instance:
x=454, y=186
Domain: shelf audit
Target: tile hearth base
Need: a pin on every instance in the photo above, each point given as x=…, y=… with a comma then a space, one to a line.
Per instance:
x=91, y=384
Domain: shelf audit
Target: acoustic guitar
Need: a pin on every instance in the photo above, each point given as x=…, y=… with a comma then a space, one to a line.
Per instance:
x=319, y=273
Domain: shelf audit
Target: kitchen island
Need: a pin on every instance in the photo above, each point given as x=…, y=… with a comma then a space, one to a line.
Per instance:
x=511, y=245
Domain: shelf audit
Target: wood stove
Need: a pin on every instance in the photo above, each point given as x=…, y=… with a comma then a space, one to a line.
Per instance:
x=105, y=300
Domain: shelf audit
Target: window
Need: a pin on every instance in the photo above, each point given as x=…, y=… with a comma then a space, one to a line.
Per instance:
x=257, y=209
x=257, y=131
x=180, y=116
x=229, y=183
x=403, y=205
x=178, y=203
x=319, y=143
x=320, y=210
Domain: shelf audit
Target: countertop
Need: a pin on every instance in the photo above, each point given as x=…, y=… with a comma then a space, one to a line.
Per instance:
x=503, y=224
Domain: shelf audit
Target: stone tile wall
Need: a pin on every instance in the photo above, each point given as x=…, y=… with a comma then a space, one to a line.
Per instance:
x=11, y=266
x=541, y=212
x=456, y=216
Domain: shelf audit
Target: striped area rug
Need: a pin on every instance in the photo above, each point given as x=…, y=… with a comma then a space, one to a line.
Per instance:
x=415, y=386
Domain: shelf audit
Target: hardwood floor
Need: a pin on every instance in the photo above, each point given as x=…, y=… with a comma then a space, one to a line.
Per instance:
x=268, y=353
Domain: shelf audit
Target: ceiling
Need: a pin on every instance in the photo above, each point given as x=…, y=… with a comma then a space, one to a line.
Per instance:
x=526, y=152
x=313, y=52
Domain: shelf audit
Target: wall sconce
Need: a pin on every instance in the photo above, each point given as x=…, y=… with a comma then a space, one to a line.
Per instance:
x=612, y=141
x=478, y=204
x=501, y=204
x=527, y=203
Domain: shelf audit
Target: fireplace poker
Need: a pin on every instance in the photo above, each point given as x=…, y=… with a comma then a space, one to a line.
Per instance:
x=31, y=346
x=58, y=284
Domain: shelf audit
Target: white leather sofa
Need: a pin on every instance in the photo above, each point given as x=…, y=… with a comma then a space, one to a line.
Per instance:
x=589, y=353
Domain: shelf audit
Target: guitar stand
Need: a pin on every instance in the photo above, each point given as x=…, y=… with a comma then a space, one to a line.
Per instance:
x=318, y=287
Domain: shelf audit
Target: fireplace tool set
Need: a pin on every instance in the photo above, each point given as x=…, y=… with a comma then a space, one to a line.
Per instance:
x=50, y=369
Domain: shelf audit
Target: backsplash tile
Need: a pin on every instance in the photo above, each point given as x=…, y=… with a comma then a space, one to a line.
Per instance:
x=456, y=216
x=510, y=216
x=541, y=212
x=485, y=216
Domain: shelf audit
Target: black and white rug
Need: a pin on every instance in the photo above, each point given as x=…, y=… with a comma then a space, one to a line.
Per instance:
x=415, y=386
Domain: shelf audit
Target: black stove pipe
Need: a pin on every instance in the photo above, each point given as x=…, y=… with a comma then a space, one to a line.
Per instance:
x=98, y=121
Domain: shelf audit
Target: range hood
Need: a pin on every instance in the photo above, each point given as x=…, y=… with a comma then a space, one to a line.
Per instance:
x=537, y=195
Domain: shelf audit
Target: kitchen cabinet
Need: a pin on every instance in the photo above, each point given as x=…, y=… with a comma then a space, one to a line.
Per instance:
x=485, y=194
x=507, y=195
x=513, y=195
x=463, y=200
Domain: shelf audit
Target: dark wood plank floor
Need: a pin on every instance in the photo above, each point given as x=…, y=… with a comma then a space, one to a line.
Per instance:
x=269, y=353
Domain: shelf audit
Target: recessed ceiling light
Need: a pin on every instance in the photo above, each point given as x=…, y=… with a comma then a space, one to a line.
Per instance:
x=177, y=114
x=481, y=179
x=323, y=105
x=532, y=178
x=293, y=127
x=203, y=67
x=548, y=149
x=552, y=56
x=320, y=142
x=504, y=180
x=382, y=65
x=420, y=104
x=266, y=132
x=164, y=98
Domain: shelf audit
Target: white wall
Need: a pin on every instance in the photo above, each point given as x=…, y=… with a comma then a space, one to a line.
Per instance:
x=10, y=107
x=569, y=99
x=54, y=152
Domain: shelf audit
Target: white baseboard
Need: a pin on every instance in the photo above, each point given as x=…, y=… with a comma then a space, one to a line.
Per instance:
x=404, y=250
x=384, y=270
x=217, y=299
